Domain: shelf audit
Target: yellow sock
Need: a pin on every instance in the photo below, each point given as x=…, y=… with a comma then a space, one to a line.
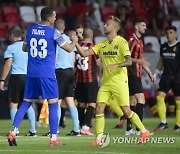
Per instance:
x=99, y=124
x=177, y=111
x=161, y=106
x=136, y=121
x=115, y=107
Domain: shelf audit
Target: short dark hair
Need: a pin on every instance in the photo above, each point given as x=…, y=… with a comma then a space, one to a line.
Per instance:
x=16, y=31
x=138, y=20
x=171, y=27
x=46, y=12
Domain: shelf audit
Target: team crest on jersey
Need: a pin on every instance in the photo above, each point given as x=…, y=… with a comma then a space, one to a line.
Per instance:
x=174, y=49
x=116, y=47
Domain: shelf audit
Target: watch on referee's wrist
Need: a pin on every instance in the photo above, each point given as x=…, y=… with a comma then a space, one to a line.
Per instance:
x=2, y=80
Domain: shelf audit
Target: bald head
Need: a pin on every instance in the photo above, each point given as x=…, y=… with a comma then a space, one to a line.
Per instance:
x=59, y=24
x=88, y=33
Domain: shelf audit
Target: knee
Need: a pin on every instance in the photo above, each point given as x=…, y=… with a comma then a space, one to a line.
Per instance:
x=127, y=112
x=99, y=109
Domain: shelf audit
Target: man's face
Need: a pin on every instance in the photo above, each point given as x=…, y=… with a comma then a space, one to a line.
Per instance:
x=171, y=35
x=141, y=27
x=52, y=18
x=109, y=26
x=79, y=32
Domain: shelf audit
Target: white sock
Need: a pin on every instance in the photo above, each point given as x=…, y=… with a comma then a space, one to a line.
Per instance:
x=53, y=137
x=164, y=121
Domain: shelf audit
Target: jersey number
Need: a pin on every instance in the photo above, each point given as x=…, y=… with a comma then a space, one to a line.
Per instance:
x=33, y=48
x=82, y=62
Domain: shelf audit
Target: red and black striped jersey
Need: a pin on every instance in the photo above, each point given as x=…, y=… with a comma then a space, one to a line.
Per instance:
x=136, y=48
x=86, y=66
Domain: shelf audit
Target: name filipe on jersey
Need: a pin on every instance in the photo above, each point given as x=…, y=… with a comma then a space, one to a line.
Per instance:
x=38, y=32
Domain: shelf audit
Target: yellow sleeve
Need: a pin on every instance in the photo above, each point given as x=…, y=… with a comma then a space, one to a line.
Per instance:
x=97, y=48
x=125, y=48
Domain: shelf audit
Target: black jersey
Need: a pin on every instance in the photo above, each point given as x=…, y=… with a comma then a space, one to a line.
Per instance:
x=171, y=60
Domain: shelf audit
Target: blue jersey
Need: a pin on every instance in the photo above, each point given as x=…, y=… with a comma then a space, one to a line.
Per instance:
x=65, y=59
x=20, y=58
x=41, y=41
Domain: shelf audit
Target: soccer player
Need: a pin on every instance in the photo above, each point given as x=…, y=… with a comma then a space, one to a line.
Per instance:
x=137, y=99
x=40, y=42
x=65, y=78
x=170, y=79
x=79, y=32
x=86, y=82
x=115, y=55
x=16, y=61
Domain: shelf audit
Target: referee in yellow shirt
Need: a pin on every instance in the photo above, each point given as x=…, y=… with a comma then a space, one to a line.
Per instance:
x=115, y=55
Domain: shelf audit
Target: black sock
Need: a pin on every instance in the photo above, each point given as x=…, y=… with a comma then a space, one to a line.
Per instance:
x=63, y=111
x=123, y=117
x=89, y=115
x=81, y=115
x=139, y=111
x=39, y=107
x=129, y=124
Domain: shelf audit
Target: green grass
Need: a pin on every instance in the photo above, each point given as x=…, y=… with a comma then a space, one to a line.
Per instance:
x=80, y=145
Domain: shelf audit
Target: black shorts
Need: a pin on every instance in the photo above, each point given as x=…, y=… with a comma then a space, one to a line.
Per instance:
x=135, y=85
x=65, y=78
x=16, y=88
x=86, y=92
x=166, y=84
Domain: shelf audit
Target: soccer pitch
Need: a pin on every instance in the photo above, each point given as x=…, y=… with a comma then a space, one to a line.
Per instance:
x=164, y=142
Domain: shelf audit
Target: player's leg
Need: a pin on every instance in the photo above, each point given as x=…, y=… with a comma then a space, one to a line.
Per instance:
x=176, y=91
x=134, y=118
x=90, y=99
x=63, y=107
x=102, y=98
x=164, y=87
x=32, y=121
x=74, y=116
x=121, y=93
x=129, y=130
x=29, y=93
x=115, y=107
x=49, y=89
x=140, y=107
x=161, y=106
x=81, y=95
x=81, y=112
x=85, y=130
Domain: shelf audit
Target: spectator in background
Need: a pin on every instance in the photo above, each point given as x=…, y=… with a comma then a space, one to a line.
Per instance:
x=93, y=19
x=16, y=60
x=159, y=24
x=148, y=48
x=75, y=15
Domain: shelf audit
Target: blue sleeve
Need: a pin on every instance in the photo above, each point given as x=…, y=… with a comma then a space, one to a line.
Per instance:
x=58, y=38
x=9, y=52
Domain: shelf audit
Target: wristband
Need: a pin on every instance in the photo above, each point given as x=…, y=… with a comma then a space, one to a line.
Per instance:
x=2, y=80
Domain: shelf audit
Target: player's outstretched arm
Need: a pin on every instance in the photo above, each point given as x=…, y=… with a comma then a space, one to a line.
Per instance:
x=127, y=62
x=70, y=46
x=84, y=53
